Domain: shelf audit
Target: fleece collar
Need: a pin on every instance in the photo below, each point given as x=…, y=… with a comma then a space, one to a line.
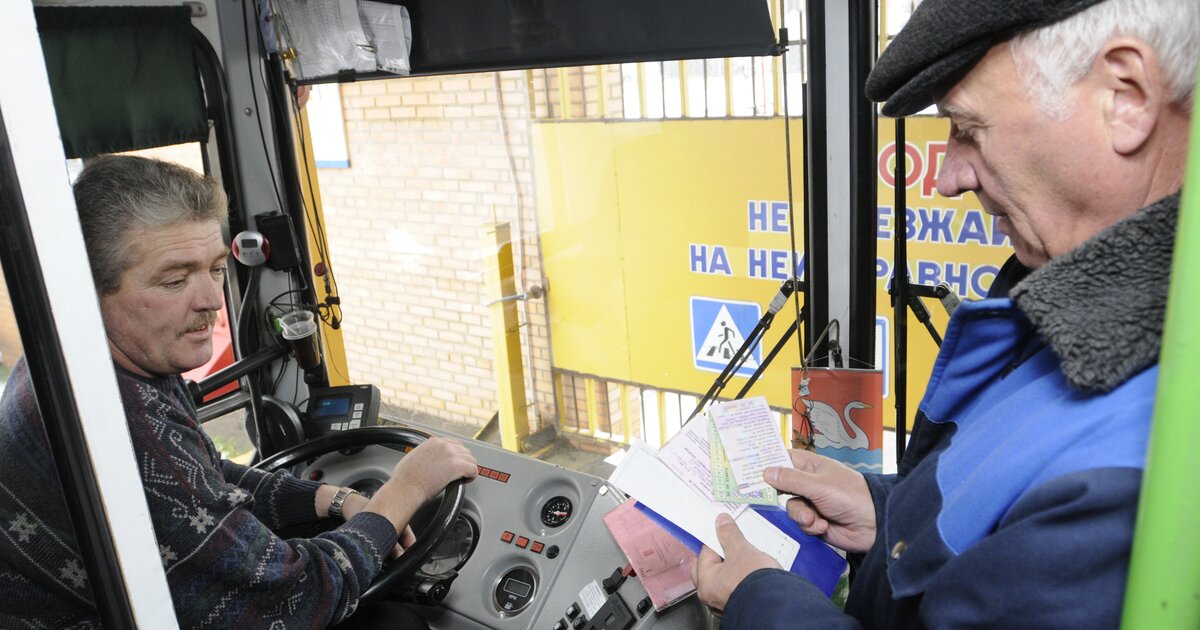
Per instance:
x=1100, y=306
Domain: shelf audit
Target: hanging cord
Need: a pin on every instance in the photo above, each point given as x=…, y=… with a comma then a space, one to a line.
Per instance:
x=330, y=310
x=803, y=436
x=787, y=143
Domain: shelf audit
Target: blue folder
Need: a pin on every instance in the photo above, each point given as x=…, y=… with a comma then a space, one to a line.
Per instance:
x=816, y=561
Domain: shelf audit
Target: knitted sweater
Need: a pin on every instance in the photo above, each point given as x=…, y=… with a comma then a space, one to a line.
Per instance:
x=213, y=519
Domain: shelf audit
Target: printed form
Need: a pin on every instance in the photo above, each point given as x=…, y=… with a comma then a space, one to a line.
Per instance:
x=750, y=435
x=687, y=455
x=643, y=476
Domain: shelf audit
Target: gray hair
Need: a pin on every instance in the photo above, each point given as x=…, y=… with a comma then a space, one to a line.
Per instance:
x=117, y=194
x=1053, y=58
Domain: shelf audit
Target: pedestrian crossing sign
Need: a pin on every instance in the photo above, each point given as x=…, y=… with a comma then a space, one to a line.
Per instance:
x=719, y=328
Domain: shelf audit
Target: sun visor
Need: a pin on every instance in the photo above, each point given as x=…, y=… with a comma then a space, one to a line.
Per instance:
x=122, y=78
x=454, y=36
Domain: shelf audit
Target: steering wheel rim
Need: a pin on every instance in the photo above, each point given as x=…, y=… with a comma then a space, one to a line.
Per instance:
x=449, y=505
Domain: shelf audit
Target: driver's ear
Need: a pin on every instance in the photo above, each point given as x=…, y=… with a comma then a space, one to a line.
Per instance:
x=1129, y=71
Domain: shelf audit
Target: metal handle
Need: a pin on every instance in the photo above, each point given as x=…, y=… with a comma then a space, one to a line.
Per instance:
x=535, y=292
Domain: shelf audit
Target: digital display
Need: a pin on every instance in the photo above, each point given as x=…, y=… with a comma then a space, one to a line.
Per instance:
x=518, y=588
x=333, y=406
x=249, y=243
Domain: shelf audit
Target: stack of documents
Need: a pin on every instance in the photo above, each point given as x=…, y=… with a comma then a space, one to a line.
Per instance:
x=714, y=465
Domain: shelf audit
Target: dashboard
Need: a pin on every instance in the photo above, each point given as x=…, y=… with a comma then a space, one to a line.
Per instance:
x=530, y=547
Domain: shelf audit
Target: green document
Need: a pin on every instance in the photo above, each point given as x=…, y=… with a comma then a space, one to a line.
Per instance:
x=725, y=487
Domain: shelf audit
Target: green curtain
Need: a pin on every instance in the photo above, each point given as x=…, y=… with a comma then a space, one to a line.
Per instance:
x=123, y=78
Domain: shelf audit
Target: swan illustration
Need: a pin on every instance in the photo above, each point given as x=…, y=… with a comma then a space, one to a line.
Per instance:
x=833, y=431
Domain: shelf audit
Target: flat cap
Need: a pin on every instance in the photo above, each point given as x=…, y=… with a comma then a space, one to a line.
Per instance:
x=944, y=39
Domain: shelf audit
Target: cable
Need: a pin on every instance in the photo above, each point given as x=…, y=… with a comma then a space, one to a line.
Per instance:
x=787, y=143
x=313, y=217
x=332, y=314
x=837, y=328
x=332, y=306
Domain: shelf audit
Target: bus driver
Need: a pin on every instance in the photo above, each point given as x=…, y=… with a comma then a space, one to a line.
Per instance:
x=153, y=236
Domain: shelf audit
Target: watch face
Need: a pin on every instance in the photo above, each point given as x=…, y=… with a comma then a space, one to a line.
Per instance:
x=556, y=511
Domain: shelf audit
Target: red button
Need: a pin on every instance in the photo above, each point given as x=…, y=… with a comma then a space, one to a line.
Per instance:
x=522, y=542
x=507, y=537
x=503, y=478
x=316, y=475
x=536, y=547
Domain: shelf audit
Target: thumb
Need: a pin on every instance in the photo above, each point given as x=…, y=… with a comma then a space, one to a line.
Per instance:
x=729, y=534
x=789, y=480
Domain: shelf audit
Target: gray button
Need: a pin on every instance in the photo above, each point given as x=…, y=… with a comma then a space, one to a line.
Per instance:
x=898, y=549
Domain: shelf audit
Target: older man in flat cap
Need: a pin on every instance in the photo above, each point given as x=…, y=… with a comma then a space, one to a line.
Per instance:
x=1014, y=506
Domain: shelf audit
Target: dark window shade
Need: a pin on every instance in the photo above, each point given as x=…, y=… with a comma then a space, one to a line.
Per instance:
x=452, y=36
x=123, y=78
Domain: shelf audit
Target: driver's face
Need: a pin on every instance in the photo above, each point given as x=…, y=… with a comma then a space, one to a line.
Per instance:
x=160, y=320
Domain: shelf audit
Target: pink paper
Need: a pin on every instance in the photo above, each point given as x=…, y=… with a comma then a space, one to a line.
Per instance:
x=661, y=562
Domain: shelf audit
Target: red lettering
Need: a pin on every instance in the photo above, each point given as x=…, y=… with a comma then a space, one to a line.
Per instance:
x=933, y=151
x=886, y=168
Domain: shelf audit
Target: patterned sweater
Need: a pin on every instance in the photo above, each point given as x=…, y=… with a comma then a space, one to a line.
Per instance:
x=214, y=521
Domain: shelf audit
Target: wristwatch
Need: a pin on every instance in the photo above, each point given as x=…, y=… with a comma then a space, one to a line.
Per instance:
x=339, y=498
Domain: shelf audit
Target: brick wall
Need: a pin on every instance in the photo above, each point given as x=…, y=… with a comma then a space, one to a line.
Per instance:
x=430, y=166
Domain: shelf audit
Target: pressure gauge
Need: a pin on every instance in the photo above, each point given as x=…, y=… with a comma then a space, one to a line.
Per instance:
x=556, y=511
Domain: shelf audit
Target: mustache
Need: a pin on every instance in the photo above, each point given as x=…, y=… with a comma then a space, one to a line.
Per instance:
x=201, y=320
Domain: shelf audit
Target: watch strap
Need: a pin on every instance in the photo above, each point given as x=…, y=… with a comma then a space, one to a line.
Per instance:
x=339, y=499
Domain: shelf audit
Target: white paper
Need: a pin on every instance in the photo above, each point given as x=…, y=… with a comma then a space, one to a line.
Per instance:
x=327, y=35
x=593, y=598
x=391, y=33
x=751, y=439
x=686, y=454
x=646, y=478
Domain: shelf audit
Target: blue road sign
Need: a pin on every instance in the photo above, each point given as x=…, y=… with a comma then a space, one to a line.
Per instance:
x=719, y=328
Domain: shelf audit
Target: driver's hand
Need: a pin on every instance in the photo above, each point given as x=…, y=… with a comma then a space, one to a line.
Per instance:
x=433, y=464
x=420, y=476
x=407, y=538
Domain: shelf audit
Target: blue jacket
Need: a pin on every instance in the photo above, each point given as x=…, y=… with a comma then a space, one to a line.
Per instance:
x=1015, y=503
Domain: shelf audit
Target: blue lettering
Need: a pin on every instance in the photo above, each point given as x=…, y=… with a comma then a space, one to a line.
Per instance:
x=910, y=229
x=719, y=262
x=779, y=212
x=956, y=276
x=758, y=262
x=758, y=215
x=699, y=256
x=800, y=267
x=882, y=267
x=980, y=280
x=973, y=228
x=935, y=225
x=928, y=272
x=883, y=223
x=779, y=264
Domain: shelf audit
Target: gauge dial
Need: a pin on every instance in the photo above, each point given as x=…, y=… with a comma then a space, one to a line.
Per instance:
x=556, y=511
x=455, y=549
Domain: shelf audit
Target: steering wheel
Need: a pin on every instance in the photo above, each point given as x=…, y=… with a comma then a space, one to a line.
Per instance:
x=449, y=504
